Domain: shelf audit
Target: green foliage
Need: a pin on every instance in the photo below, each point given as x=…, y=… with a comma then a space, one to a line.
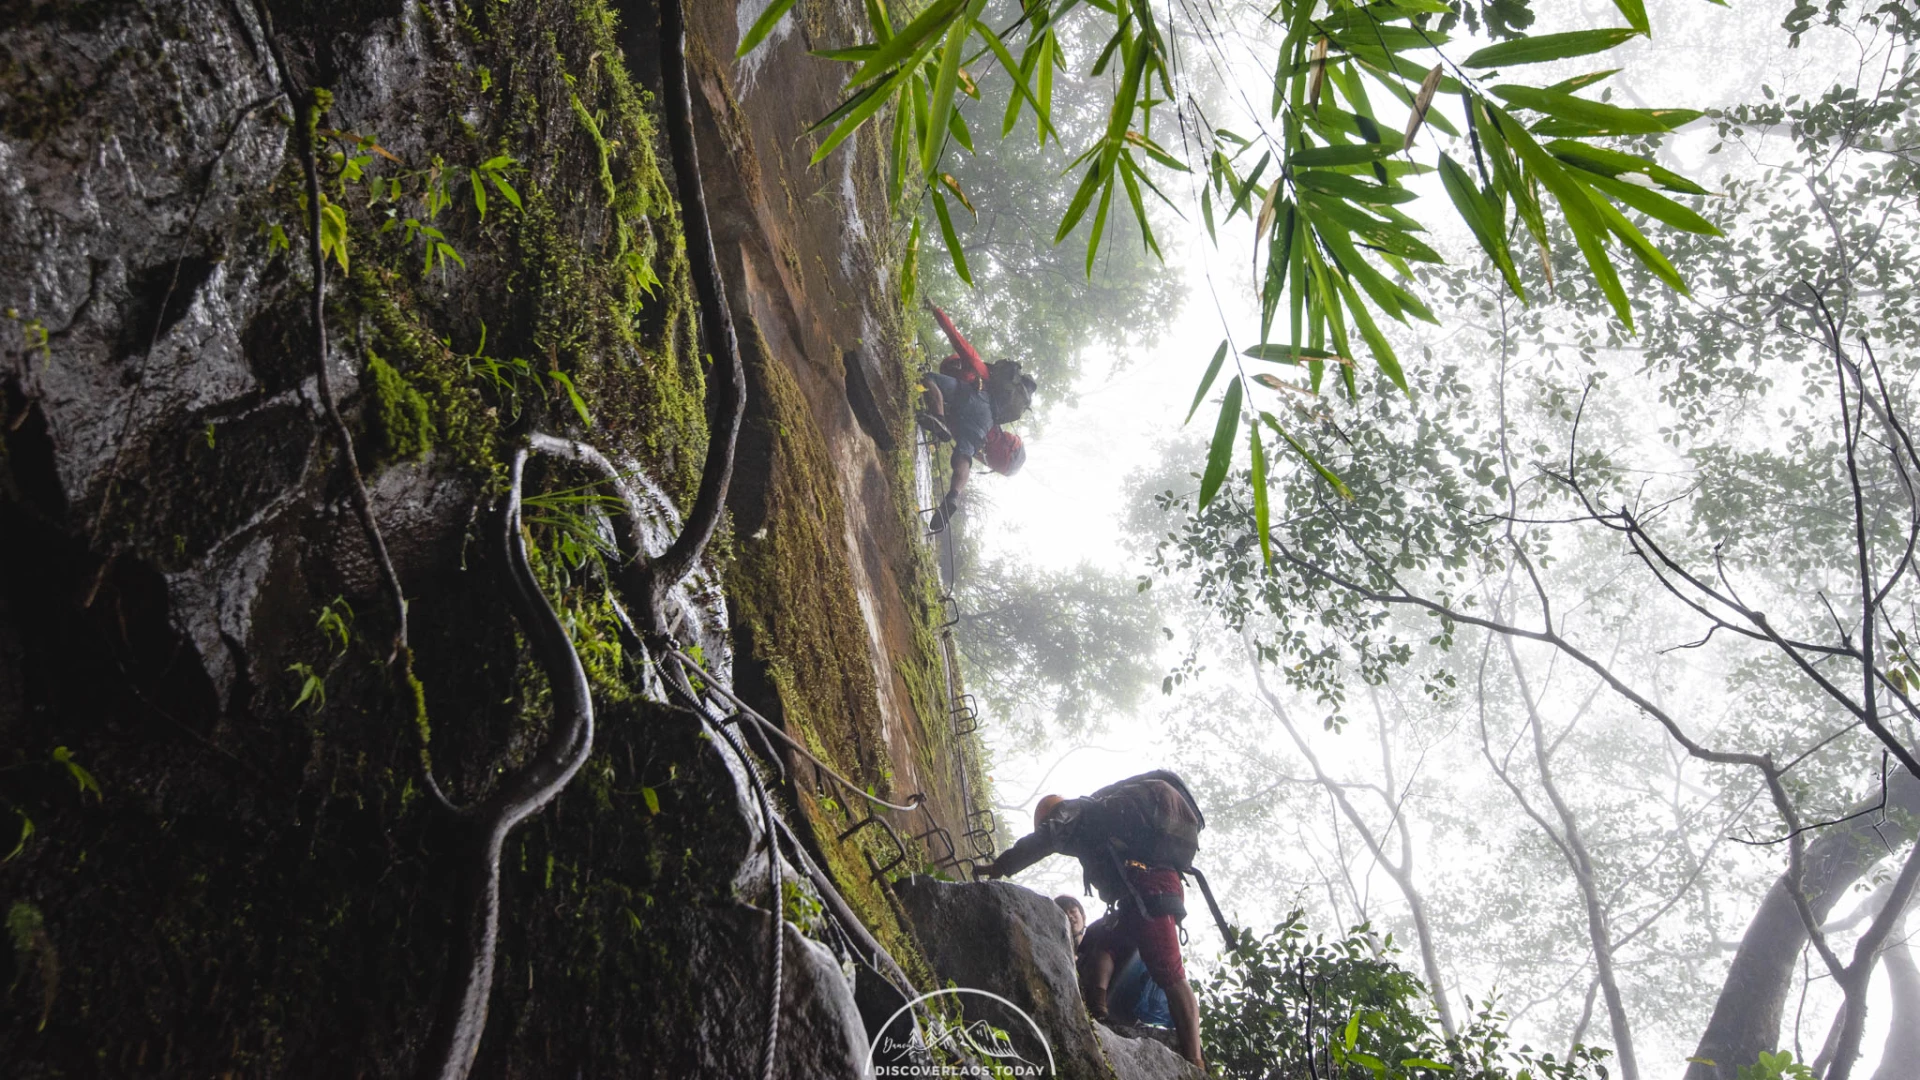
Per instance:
x=335, y=623
x=1337, y=252
x=24, y=924
x=26, y=834
x=402, y=423
x=313, y=686
x=82, y=779
x=1776, y=1066
x=1287, y=1005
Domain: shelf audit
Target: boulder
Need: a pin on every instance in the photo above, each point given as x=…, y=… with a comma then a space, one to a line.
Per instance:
x=1143, y=1059
x=1011, y=941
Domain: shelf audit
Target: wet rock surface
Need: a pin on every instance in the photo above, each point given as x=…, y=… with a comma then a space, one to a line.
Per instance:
x=1012, y=941
x=192, y=615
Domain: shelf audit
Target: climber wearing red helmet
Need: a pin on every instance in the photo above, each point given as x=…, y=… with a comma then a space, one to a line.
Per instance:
x=958, y=409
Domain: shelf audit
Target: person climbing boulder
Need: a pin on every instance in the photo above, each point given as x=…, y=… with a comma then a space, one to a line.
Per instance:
x=966, y=402
x=1134, y=839
x=1076, y=918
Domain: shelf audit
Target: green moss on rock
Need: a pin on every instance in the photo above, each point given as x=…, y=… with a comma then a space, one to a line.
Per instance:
x=401, y=425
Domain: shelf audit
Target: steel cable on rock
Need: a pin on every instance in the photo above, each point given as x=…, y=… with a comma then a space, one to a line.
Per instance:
x=849, y=924
x=678, y=686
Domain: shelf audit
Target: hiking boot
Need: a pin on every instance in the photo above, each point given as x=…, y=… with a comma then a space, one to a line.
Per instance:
x=933, y=426
x=1096, y=1001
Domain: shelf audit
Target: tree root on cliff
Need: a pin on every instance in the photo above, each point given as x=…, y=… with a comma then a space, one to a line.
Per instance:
x=647, y=584
x=482, y=829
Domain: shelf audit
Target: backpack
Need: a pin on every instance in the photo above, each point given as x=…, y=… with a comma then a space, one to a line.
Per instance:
x=1151, y=818
x=1009, y=392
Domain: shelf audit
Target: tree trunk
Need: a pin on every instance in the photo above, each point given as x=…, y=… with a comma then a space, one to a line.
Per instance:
x=1746, y=1018
x=1902, y=1049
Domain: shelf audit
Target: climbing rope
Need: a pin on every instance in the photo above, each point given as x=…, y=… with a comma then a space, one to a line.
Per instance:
x=914, y=802
x=678, y=686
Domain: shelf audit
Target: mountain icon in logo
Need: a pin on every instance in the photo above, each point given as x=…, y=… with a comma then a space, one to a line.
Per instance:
x=933, y=1037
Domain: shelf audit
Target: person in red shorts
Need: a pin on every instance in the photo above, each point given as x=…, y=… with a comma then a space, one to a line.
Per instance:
x=1133, y=838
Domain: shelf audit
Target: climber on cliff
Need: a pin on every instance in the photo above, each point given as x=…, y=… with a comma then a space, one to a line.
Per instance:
x=966, y=402
x=1133, y=838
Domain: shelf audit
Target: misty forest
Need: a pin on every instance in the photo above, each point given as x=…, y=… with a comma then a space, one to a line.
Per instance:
x=485, y=589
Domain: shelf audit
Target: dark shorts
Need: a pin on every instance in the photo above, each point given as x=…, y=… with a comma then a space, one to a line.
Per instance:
x=1123, y=929
x=969, y=414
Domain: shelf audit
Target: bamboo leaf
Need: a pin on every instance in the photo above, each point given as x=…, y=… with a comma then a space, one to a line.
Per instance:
x=957, y=127
x=1376, y=341
x=1206, y=381
x=1484, y=218
x=1613, y=163
x=1127, y=169
x=914, y=41
x=1260, y=519
x=1596, y=116
x=1636, y=13
x=877, y=19
x=763, y=26
x=1421, y=103
x=1581, y=82
x=1078, y=206
x=952, y=239
x=1220, y=455
x=869, y=103
x=1019, y=74
x=1544, y=47
x=1339, y=486
x=1351, y=188
x=954, y=186
x=910, y=264
x=1652, y=203
x=1649, y=256
x=850, y=54
x=1583, y=217
x=902, y=146
x=1043, y=80
x=1099, y=224
x=1322, y=156
x=505, y=189
x=941, y=104
x=1292, y=354
x=1155, y=151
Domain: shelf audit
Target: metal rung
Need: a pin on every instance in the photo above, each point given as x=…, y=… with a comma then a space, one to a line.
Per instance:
x=899, y=846
x=946, y=838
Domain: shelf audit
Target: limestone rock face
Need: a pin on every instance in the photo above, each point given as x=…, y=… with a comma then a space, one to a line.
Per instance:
x=1012, y=941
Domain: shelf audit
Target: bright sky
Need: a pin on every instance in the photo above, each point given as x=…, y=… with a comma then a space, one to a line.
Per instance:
x=1067, y=503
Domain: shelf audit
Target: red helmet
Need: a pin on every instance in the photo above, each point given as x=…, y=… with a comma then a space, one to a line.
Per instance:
x=1003, y=452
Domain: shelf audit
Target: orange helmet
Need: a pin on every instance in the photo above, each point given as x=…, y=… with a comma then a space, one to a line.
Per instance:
x=1003, y=452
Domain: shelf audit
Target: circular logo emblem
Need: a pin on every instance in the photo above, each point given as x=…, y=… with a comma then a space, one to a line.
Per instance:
x=987, y=1036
